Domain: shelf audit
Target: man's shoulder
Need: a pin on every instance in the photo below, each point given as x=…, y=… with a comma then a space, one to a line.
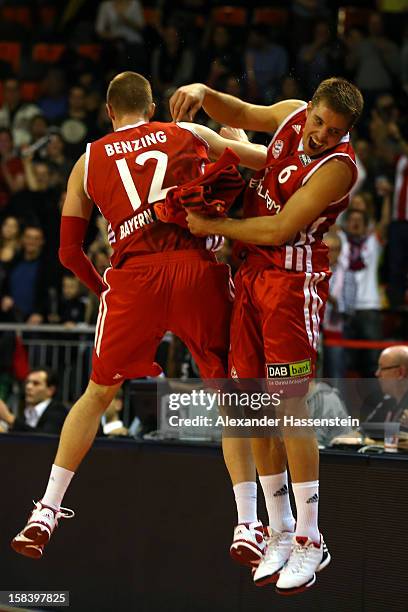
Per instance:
x=56, y=406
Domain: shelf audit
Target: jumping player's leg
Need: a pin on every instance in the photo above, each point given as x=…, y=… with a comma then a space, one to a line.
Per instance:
x=201, y=318
x=247, y=358
x=77, y=435
x=124, y=348
x=81, y=425
x=293, y=305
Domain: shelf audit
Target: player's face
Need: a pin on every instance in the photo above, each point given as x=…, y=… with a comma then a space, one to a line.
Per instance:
x=323, y=129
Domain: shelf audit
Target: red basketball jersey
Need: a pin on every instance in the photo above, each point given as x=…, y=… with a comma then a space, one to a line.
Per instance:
x=127, y=171
x=289, y=168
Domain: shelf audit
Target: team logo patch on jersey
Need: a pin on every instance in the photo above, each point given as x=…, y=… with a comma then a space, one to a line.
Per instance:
x=277, y=148
x=297, y=128
x=289, y=370
x=234, y=373
x=305, y=160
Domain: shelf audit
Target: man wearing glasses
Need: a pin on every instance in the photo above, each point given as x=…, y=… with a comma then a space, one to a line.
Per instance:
x=392, y=373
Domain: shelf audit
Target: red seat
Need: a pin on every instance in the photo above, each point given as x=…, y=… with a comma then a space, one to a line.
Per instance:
x=17, y=14
x=270, y=16
x=47, y=15
x=30, y=90
x=11, y=52
x=151, y=16
x=91, y=51
x=230, y=15
x=349, y=16
x=43, y=52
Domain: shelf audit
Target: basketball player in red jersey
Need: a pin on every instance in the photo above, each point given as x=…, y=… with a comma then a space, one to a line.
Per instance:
x=161, y=277
x=281, y=289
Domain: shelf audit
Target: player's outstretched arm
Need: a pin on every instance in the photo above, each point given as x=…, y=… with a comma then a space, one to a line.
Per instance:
x=228, y=110
x=329, y=184
x=74, y=222
x=251, y=155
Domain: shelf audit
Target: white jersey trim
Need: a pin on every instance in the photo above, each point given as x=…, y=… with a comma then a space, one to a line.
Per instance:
x=87, y=155
x=286, y=121
x=323, y=161
x=187, y=126
x=103, y=311
x=133, y=125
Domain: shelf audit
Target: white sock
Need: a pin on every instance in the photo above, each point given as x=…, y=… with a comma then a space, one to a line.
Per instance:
x=57, y=485
x=276, y=492
x=307, y=507
x=245, y=498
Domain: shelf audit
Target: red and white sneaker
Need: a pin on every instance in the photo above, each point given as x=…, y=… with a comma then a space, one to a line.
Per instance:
x=248, y=544
x=40, y=526
x=305, y=560
x=277, y=552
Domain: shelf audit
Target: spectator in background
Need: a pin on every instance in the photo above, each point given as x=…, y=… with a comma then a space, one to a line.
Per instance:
x=187, y=15
x=362, y=302
x=42, y=412
x=72, y=303
x=57, y=160
x=172, y=62
x=76, y=123
x=100, y=260
x=319, y=59
x=398, y=231
x=290, y=89
x=384, y=117
x=12, y=179
x=392, y=373
x=120, y=23
x=113, y=425
x=53, y=103
x=374, y=60
x=218, y=57
x=39, y=206
x=304, y=16
x=10, y=242
x=38, y=128
x=102, y=124
x=101, y=242
x=334, y=365
x=324, y=402
x=26, y=284
x=266, y=63
x=368, y=165
x=16, y=114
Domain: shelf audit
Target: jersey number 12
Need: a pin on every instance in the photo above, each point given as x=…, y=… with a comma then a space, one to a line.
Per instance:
x=156, y=192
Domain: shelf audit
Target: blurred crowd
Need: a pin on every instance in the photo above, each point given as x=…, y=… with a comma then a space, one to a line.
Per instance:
x=52, y=105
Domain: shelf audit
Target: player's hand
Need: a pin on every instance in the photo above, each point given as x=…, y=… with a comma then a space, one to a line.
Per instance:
x=199, y=225
x=233, y=134
x=186, y=101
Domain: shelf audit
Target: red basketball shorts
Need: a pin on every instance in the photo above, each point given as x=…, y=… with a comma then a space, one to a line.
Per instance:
x=275, y=323
x=186, y=292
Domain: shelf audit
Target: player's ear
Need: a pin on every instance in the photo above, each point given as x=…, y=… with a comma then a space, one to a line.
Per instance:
x=109, y=111
x=151, y=111
x=309, y=107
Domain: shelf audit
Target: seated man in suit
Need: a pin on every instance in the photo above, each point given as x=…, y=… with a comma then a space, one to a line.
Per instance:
x=42, y=413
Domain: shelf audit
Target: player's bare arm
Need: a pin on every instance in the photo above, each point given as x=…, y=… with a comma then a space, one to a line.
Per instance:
x=329, y=184
x=77, y=203
x=252, y=155
x=228, y=110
